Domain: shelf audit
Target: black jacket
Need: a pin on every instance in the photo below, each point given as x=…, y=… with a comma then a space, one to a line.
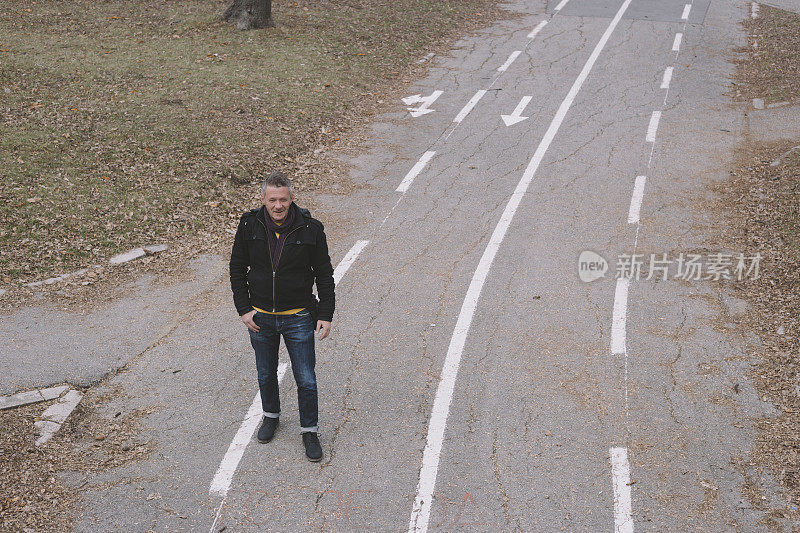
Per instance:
x=303, y=260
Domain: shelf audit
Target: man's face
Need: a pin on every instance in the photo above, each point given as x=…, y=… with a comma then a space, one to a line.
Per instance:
x=277, y=201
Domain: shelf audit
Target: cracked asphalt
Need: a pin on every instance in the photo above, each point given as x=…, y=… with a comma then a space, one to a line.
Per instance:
x=539, y=398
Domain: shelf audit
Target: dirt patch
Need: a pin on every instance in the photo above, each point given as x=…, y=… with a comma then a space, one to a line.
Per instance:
x=35, y=494
x=130, y=123
x=761, y=202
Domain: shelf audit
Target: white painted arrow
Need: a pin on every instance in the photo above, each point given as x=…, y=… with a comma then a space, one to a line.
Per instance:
x=516, y=116
x=424, y=101
x=411, y=100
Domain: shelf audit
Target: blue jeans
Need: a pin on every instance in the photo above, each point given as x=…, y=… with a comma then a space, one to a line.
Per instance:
x=298, y=335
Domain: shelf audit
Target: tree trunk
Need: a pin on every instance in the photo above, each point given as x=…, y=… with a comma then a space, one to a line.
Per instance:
x=249, y=14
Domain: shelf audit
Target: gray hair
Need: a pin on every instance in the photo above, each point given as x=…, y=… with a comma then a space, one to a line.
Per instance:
x=277, y=179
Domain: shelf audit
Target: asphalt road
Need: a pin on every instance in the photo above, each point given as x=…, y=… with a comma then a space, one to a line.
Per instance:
x=473, y=381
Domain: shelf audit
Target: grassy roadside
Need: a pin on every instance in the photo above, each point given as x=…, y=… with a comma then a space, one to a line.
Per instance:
x=128, y=123
x=764, y=205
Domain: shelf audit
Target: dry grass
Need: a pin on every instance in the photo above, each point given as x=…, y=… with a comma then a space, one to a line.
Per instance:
x=763, y=206
x=126, y=123
x=771, y=69
x=34, y=495
x=31, y=495
x=765, y=202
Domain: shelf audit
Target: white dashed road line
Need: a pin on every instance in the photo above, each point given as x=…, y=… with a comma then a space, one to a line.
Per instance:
x=349, y=258
x=420, y=513
x=537, y=29
x=500, y=70
x=636, y=200
x=667, y=78
x=227, y=468
x=467, y=108
x=511, y=58
x=560, y=5
x=620, y=467
x=621, y=477
x=415, y=170
x=676, y=44
x=620, y=317
x=652, y=128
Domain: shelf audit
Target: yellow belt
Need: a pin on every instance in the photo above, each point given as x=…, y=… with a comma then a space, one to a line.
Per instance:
x=289, y=312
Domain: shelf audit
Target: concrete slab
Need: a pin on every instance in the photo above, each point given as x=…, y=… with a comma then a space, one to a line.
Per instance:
x=130, y=255
x=51, y=393
x=22, y=398
x=151, y=249
x=46, y=427
x=33, y=396
x=55, y=415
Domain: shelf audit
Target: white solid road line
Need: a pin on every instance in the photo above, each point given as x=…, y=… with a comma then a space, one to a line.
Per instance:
x=416, y=169
x=636, y=200
x=676, y=44
x=511, y=58
x=620, y=317
x=420, y=513
x=537, y=29
x=686, y=10
x=652, y=128
x=230, y=462
x=222, y=479
x=667, y=78
x=467, y=108
x=621, y=477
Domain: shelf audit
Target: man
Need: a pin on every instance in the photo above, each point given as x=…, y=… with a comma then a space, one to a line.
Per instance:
x=286, y=252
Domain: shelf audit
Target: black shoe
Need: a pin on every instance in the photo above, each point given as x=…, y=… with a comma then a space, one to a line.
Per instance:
x=313, y=449
x=267, y=429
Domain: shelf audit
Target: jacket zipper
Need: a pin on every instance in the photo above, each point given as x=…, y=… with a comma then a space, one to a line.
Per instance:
x=274, y=267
